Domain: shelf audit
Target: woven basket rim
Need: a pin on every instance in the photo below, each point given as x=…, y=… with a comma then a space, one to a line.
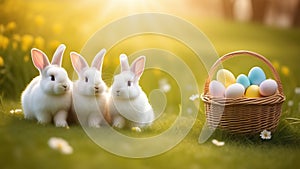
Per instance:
x=222, y=101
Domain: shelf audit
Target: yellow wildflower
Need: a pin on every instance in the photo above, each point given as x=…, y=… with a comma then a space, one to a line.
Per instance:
x=2, y=28
x=4, y=41
x=16, y=37
x=1, y=62
x=39, y=20
x=285, y=70
x=275, y=65
x=26, y=42
x=11, y=26
x=26, y=58
x=39, y=42
x=14, y=45
x=56, y=28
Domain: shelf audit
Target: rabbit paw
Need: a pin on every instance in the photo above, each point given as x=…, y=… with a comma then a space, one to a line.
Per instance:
x=43, y=118
x=119, y=122
x=61, y=123
x=60, y=119
x=94, y=123
x=94, y=120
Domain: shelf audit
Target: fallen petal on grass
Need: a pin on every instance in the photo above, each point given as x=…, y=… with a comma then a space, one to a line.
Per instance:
x=290, y=103
x=218, y=143
x=297, y=90
x=15, y=111
x=136, y=129
x=164, y=85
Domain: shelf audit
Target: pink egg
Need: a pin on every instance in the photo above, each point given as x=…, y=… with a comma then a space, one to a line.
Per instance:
x=216, y=89
x=268, y=87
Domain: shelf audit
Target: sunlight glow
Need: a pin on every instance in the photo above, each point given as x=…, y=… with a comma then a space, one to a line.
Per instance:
x=128, y=7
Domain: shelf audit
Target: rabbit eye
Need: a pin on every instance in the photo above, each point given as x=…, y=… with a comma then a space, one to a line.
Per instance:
x=129, y=83
x=86, y=79
x=52, y=77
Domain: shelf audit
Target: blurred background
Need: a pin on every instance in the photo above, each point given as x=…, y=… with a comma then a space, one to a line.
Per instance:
x=46, y=24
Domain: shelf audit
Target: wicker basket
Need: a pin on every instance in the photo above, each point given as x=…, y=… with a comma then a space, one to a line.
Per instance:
x=243, y=115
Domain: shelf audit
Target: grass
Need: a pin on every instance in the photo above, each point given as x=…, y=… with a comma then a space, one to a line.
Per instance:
x=24, y=145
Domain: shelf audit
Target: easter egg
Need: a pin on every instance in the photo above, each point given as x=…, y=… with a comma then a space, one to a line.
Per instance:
x=216, y=89
x=268, y=87
x=256, y=76
x=243, y=80
x=252, y=91
x=234, y=91
x=226, y=77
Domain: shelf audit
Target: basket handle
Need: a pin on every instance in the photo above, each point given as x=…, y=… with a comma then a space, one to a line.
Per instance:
x=241, y=52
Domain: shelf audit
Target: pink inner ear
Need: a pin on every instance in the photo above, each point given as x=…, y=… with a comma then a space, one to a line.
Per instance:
x=139, y=67
x=78, y=62
x=39, y=59
x=98, y=60
x=57, y=57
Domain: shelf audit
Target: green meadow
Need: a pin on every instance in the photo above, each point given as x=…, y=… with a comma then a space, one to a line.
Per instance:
x=24, y=143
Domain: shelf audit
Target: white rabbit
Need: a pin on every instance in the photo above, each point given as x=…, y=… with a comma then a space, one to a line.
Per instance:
x=48, y=95
x=127, y=98
x=89, y=91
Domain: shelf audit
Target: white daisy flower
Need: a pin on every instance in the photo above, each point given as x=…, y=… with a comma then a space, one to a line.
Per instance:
x=290, y=103
x=164, y=85
x=194, y=97
x=265, y=135
x=60, y=144
x=189, y=110
x=218, y=143
x=297, y=90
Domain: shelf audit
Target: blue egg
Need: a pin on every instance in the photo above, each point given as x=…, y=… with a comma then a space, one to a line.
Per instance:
x=256, y=76
x=243, y=80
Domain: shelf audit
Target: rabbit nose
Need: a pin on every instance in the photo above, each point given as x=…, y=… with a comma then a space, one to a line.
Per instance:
x=118, y=91
x=65, y=86
x=96, y=88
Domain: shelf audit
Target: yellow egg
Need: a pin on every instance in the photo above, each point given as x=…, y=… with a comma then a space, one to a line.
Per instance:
x=226, y=77
x=252, y=91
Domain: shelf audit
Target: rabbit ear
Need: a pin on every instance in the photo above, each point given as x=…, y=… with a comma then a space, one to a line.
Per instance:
x=57, y=57
x=98, y=60
x=124, y=63
x=39, y=59
x=78, y=62
x=138, y=66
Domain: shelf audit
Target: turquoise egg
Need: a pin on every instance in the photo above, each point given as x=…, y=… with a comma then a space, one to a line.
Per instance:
x=243, y=80
x=256, y=76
